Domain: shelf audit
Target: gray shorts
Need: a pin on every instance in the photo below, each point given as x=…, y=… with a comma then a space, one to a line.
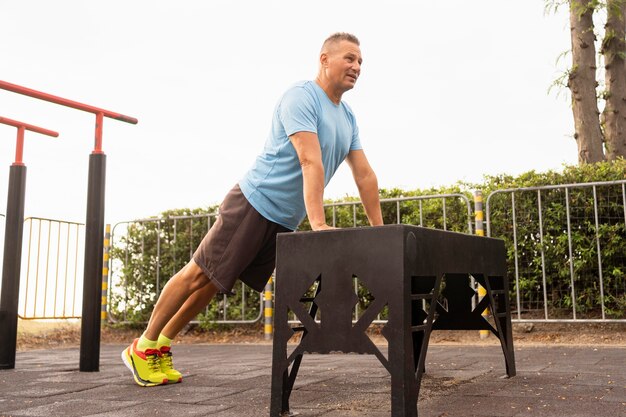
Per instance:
x=241, y=244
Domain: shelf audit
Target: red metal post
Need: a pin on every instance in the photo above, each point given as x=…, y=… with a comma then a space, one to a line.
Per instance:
x=19, y=146
x=13, y=245
x=21, y=128
x=98, y=140
x=94, y=230
x=100, y=113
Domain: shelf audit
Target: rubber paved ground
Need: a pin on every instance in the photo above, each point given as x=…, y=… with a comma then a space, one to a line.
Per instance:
x=228, y=380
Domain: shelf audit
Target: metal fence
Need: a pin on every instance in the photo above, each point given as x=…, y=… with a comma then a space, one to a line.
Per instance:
x=427, y=211
x=159, y=247
x=451, y=212
x=566, y=248
x=51, y=278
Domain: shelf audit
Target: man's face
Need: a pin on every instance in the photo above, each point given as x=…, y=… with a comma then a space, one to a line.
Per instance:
x=343, y=64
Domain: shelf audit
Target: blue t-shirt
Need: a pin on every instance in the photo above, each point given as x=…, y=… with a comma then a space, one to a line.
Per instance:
x=273, y=185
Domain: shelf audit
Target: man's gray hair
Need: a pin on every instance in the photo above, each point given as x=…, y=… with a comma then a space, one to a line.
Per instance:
x=340, y=36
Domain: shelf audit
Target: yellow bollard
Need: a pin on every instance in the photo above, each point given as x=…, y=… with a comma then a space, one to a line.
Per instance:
x=268, y=310
x=480, y=231
x=105, y=272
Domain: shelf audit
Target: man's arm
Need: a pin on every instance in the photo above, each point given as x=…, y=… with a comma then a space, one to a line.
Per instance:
x=307, y=147
x=367, y=183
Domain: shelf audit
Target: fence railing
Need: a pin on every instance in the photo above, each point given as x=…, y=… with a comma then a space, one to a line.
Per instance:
x=451, y=212
x=159, y=247
x=566, y=249
x=411, y=210
x=51, y=278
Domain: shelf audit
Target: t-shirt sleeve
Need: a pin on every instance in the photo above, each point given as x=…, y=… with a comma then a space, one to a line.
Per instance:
x=297, y=112
x=355, y=144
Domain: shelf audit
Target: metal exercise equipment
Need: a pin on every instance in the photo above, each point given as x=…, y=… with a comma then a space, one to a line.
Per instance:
x=403, y=267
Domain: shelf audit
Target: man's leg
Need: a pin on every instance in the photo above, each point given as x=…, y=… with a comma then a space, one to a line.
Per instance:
x=145, y=360
x=178, y=290
x=194, y=305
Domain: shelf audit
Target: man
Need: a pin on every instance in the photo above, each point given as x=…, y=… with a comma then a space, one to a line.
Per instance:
x=312, y=132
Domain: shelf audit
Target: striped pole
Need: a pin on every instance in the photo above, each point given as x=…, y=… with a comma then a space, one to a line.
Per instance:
x=105, y=272
x=480, y=231
x=269, y=310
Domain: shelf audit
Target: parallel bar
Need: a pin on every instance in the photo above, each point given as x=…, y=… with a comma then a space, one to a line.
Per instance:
x=65, y=102
x=29, y=127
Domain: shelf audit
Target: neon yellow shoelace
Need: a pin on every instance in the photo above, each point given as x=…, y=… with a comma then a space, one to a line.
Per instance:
x=167, y=361
x=153, y=362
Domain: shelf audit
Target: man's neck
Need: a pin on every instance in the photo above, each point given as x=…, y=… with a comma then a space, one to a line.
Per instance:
x=333, y=95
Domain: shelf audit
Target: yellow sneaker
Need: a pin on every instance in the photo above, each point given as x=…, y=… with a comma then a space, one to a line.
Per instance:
x=144, y=365
x=167, y=366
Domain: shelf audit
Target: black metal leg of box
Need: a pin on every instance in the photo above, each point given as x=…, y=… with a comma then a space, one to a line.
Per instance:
x=284, y=386
x=423, y=288
x=280, y=366
x=401, y=365
x=498, y=292
x=403, y=383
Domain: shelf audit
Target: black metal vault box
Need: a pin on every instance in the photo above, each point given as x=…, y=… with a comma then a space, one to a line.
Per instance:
x=403, y=268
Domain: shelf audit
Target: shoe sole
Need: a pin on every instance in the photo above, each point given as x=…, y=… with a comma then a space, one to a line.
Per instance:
x=128, y=361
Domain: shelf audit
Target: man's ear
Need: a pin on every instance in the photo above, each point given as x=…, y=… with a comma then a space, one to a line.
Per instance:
x=324, y=59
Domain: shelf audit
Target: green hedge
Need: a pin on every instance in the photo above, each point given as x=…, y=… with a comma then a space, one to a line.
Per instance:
x=135, y=254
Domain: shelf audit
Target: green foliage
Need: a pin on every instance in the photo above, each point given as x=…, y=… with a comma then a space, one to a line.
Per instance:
x=542, y=249
x=147, y=254
x=425, y=208
x=543, y=239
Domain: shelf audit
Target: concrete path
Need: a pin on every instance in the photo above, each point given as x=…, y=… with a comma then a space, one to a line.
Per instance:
x=234, y=381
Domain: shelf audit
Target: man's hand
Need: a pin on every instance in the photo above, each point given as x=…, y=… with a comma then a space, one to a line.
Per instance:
x=322, y=227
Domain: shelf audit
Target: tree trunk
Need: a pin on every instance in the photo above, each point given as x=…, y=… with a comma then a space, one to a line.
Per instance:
x=614, y=50
x=582, y=82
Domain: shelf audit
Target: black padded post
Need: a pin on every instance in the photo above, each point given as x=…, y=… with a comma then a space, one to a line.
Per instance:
x=12, y=263
x=94, y=253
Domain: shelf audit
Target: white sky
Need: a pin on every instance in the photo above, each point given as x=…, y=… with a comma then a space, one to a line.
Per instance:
x=449, y=90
